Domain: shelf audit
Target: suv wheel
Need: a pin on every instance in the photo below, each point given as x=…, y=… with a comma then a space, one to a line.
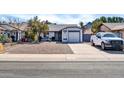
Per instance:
x=92, y=43
x=121, y=49
x=103, y=46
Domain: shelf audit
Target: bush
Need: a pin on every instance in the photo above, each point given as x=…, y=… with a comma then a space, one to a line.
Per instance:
x=3, y=38
x=9, y=40
x=30, y=35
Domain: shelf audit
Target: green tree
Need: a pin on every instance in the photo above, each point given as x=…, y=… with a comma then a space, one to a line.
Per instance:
x=114, y=20
x=121, y=19
x=95, y=25
x=3, y=38
x=109, y=19
x=103, y=19
x=38, y=27
x=42, y=28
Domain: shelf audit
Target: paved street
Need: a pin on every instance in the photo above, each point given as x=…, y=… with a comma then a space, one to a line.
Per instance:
x=62, y=69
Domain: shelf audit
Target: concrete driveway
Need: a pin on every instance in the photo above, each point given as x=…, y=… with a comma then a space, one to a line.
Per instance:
x=86, y=51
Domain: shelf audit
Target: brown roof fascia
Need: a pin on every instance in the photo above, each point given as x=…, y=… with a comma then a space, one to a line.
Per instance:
x=106, y=26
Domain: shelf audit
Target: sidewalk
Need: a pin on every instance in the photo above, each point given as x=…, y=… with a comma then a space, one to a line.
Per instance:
x=59, y=57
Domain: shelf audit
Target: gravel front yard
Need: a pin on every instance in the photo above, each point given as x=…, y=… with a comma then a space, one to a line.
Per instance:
x=42, y=48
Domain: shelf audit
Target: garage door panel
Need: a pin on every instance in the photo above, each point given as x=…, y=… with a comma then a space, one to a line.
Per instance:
x=74, y=37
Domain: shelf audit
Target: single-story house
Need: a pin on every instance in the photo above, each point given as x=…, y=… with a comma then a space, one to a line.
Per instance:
x=22, y=27
x=117, y=28
x=10, y=31
x=67, y=33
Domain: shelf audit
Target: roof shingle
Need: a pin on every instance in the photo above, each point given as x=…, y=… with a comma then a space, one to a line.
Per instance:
x=7, y=27
x=59, y=27
x=114, y=26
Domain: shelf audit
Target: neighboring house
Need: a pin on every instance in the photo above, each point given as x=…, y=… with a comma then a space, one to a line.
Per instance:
x=87, y=32
x=2, y=30
x=67, y=33
x=117, y=28
x=11, y=31
x=22, y=27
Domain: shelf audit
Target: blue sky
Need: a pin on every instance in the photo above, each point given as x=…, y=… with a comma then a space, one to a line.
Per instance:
x=60, y=18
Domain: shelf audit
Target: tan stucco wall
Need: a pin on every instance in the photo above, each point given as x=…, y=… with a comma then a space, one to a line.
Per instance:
x=104, y=28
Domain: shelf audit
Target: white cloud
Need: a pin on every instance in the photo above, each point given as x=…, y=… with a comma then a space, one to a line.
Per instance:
x=62, y=18
x=65, y=18
x=88, y=18
x=68, y=19
x=25, y=17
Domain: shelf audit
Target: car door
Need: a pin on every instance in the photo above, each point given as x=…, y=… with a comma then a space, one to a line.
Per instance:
x=98, y=39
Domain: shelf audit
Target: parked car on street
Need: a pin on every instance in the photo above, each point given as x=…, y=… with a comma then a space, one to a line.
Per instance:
x=107, y=40
x=46, y=39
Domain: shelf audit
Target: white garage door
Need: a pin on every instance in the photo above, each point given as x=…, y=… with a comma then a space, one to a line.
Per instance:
x=74, y=37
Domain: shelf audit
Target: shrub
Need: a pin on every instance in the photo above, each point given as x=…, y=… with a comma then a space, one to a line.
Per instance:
x=3, y=38
x=9, y=40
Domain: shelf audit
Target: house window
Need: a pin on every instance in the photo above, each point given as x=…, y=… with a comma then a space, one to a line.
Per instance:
x=65, y=31
x=64, y=38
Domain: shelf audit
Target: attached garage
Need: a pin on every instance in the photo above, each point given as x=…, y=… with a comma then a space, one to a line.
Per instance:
x=66, y=33
x=73, y=37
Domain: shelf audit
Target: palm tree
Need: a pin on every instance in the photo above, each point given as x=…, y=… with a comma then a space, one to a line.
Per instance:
x=82, y=27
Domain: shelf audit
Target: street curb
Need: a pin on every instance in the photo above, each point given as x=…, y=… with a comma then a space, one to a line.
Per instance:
x=59, y=61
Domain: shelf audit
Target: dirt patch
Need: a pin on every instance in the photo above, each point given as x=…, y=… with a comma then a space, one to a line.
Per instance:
x=41, y=48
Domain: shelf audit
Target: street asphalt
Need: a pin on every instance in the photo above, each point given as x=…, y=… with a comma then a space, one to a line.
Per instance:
x=62, y=69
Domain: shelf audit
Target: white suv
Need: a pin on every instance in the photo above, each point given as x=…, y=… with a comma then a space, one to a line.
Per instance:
x=107, y=40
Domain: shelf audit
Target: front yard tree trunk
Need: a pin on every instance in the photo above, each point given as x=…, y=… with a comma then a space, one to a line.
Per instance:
x=39, y=39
